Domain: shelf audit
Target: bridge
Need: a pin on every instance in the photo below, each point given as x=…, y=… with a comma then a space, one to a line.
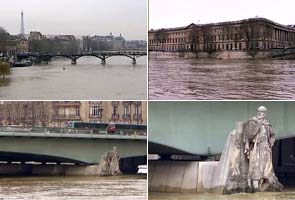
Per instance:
x=80, y=147
x=103, y=56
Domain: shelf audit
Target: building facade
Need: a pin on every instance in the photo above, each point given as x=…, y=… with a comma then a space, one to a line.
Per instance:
x=63, y=113
x=257, y=34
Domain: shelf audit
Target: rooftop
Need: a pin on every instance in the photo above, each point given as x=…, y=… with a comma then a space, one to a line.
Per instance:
x=290, y=27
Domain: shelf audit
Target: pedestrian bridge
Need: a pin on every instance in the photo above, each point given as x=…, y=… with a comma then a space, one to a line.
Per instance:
x=102, y=55
x=71, y=146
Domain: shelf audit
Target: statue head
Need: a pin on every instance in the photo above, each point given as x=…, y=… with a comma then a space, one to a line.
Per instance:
x=114, y=148
x=261, y=112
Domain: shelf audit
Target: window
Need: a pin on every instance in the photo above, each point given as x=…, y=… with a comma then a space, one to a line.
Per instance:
x=95, y=111
x=77, y=111
x=126, y=112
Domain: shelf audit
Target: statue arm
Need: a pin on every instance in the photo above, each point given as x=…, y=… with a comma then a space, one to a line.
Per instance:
x=271, y=137
x=246, y=141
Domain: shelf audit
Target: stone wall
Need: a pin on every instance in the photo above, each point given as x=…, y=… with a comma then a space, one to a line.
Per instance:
x=181, y=176
x=222, y=54
x=49, y=170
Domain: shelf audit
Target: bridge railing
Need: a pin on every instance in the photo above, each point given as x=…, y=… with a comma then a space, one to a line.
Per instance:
x=48, y=130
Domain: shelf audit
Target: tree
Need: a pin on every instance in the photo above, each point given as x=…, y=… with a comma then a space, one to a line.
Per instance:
x=207, y=39
x=160, y=37
x=4, y=69
x=194, y=38
x=4, y=36
x=44, y=113
x=250, y=33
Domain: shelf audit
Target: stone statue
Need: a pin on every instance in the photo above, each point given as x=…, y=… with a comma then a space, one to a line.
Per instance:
x=247, y=157
x=114, y=162
x=109, y=163
x=258, y=141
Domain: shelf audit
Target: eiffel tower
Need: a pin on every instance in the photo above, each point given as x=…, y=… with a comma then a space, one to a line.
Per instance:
x=22, y=30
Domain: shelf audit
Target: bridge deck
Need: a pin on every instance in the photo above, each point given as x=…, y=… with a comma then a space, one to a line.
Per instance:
x=71, y=135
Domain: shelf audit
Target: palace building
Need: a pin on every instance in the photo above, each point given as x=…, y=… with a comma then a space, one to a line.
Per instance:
x=257, y=34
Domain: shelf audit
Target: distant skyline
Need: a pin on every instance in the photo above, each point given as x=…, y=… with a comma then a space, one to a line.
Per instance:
x=175, y=13
x=77, y=17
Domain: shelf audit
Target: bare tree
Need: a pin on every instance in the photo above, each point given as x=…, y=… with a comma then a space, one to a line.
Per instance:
x=45, y=115
x=161, y=37
x=194, y=38
x=250, y=33
x=4, y=36
x=207, y=39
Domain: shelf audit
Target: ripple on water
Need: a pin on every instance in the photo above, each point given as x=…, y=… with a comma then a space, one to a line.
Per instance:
x=118, y=79
x=180, y=78
x=107, y=188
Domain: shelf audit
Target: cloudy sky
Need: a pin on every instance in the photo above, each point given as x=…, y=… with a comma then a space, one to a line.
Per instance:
x=174, y=13
x=78, y=17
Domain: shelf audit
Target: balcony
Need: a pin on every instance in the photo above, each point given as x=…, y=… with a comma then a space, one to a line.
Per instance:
x=95, y=116
x=67, y=103
x=137, y=117
x=66, y=117
x=115, y=117
x=126, y=117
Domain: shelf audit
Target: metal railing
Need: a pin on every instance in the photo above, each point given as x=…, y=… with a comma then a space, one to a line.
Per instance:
x=73, y=131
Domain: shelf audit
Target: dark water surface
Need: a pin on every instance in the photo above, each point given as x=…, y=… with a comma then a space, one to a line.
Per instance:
x=288, y=194
x=181, y=78
x=118, y=79
x=74, y=188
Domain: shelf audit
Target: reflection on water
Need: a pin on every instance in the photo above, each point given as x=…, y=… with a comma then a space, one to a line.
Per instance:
x=286, y=195
x=4, y=82
x=118, y=79
x=88, y=188
x=180, y=78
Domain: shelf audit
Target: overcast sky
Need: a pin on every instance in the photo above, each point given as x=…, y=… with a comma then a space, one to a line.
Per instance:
x=77, y=17
x=174, y=13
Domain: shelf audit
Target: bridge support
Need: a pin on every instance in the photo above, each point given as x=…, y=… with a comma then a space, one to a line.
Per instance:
x=73, y=61
x=133, y=61
x=103, y=60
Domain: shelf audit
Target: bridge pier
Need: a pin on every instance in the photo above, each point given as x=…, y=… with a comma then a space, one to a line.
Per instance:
x=103, y=61
x=133, y=61
x=73, y=61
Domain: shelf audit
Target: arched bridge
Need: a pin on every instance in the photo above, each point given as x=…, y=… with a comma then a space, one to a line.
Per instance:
x=67, y=147
x=103, y=56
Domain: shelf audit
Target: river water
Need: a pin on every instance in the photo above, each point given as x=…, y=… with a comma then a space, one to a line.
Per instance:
x=74, y=188
x=88, y=79
x=181, y=78
x=289, y=194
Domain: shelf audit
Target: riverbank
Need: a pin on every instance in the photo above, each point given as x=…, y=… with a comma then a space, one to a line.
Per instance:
x=287, y=194
x=226, y=54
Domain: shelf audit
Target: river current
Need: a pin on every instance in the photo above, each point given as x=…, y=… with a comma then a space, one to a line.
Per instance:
x=212, y=79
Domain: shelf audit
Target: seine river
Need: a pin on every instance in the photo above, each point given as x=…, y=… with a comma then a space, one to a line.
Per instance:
x=180, y=78
x=74, y=188
x=88, y=79
x=286, y=195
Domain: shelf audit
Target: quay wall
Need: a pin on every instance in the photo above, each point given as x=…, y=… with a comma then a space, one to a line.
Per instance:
x=224, y=54
x=181, y=176
x=49, y=170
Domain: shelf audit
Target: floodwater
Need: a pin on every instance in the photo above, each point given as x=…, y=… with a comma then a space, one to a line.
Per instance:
x=74, y=188
x=181, y=78
x=286, y=195
x=88, y=79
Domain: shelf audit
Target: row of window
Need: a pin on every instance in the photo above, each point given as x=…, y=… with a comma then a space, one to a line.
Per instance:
x=277, y=35
x=219, y=46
